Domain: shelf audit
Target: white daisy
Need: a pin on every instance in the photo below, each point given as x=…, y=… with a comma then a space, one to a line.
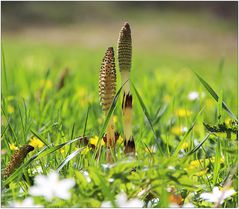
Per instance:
x=217, y=195
x=193, y=95
x=50, y=186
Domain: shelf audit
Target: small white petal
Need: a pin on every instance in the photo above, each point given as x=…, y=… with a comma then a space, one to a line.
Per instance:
x=209, y=197
x=121, y=198
x=28, y=202
x=193, y=95
x=188, y=205
x=173, y=205
x=228, y=193
x=106, y=204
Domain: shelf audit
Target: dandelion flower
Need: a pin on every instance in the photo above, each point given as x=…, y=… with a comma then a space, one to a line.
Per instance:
x=36, y=143
x=217, y=196
x=13, y=147
x=50, y=186
x=46, y=84
x=94, y=140
x=178, y=130
x=10, y=109
x=182, y=112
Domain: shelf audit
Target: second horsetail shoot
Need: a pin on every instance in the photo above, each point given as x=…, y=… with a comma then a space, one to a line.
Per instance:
x=107, y=90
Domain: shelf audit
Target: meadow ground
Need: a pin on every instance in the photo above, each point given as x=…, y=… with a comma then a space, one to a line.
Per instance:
x=168, y=49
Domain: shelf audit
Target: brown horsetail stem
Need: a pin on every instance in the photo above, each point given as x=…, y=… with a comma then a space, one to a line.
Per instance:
x=107, y=90
x=17, y=159
x=124, y=58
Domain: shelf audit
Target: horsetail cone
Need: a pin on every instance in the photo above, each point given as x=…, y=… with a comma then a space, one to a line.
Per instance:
x=125, y=48
x=107, y=90
x=17, y=159
x=125, y=54
x=124, y=58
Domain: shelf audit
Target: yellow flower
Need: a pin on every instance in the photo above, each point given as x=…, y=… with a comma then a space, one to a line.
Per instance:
x=81, y=92
x=167, y=98
x=100, y=120
x=62, y=150
x=85, y=151
x=95, y=140
x=13, y=147
x=182, y=112
x=202, y=172
x=209, y=102
x=185, y=145
x=10, y=109
x=10, y=98
x=47, y=84
x=120, y=140
x=195, y=164
x=115, y=119
x=178, y=130
x=36, y=143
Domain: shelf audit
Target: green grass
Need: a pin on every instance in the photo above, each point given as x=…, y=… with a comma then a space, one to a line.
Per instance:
x=162, y=83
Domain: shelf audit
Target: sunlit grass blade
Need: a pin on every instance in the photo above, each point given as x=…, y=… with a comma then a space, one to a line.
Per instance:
x=147, y=116
x=199, y=145
x=187, y=133
x=86, y=120
x=39, y=155
x=160, y=112
x=4, y=68
x=68, y=158
x=215, y=96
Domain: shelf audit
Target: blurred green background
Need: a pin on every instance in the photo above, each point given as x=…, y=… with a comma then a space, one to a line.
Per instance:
x=170, y=41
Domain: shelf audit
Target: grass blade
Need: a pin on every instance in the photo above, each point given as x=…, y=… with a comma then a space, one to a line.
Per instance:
x=86, y=120
x=215, y=96
x=217, y=163
x=68, y=158
x=147, y=116
x=198, y=146
x=185, y=136
x=4, y=68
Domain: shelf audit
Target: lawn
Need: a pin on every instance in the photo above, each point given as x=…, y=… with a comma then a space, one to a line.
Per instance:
x=186, y=141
